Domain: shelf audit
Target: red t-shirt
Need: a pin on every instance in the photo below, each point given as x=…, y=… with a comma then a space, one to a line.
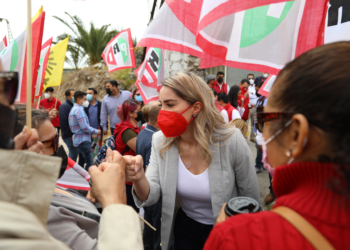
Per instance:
x=48, y=105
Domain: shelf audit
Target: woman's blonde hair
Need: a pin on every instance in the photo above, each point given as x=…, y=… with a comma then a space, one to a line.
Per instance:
x=192, y=89
x=241, y=125
x=144, y=110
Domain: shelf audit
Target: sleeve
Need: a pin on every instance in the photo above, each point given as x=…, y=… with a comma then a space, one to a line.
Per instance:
x=152, y=176
x=58, y=104
x=104, y=115
x=225, y=115
x=82, y=121
x=148, y=149
x=228, y=89
x=241, y=111
x=246, y=180
x=128, y=134
x=235, y=114
x=66, y=228
x=119, y=229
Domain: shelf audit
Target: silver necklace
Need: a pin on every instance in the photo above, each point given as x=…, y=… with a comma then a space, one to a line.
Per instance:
x=188, y=163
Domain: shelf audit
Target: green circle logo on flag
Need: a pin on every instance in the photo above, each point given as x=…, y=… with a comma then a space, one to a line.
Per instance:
x=123, y=45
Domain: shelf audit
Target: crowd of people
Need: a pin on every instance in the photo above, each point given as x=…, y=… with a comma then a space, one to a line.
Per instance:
x=182, y=159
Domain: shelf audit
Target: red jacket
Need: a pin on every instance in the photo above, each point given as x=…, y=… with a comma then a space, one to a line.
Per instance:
x=229, y=108
x=216, y=87
x=48, y=105
x=245, y=115
x=303, y=187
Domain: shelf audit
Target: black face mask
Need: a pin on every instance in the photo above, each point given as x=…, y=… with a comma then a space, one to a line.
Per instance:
x=220, y=80
x=139, y=116
x=109, y=91
x=62, y=153
x=8, y=118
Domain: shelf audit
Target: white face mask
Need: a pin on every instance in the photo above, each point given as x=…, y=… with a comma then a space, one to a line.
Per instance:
x=251, y=81
x=86, y=104
x=266, y=75
x=47, y=95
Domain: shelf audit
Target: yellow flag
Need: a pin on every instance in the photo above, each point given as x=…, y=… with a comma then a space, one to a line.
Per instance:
x=54, y=69
x=37, y=14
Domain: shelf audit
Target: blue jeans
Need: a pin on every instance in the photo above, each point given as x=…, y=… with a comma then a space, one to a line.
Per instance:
x=85, y=154
x=73, y=151
x=153, y=214
x=258, y=159
x=188, y=233
x=112, y=131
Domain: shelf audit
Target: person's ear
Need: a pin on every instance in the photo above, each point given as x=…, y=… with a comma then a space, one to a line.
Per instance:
x=197, y=107
x=297, y=136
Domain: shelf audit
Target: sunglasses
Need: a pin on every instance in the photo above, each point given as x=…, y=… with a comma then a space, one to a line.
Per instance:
x=261, y=117
x=9, y=82
x=52, y=143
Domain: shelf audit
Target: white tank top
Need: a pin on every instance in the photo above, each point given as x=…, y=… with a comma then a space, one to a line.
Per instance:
x=194, y=193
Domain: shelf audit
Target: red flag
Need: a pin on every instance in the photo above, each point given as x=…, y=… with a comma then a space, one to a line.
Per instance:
x=44, y=57
x=3, y=44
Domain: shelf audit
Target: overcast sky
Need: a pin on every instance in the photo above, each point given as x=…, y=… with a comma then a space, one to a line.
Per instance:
x=133, y=14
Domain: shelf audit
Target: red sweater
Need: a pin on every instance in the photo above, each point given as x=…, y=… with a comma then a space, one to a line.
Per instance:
x=303, y=187
x=45, y=103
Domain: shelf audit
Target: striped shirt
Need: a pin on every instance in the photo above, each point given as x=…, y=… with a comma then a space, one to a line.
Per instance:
x=80, y=126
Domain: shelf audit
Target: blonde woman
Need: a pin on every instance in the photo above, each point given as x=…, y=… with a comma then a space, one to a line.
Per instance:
x=241, y=125
x=198, y=162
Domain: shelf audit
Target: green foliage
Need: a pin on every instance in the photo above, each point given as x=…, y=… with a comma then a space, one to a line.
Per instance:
x=85, y=44
x=122, y=76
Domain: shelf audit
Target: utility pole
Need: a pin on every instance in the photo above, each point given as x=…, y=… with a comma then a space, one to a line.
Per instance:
x=10, y=37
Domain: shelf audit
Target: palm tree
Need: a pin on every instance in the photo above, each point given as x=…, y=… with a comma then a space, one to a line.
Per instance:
x=85, y=44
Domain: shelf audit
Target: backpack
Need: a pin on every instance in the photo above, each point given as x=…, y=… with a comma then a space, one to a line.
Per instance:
x=108, y=143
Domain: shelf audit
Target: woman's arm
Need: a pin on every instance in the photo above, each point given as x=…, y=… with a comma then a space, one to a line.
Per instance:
x=129, y=138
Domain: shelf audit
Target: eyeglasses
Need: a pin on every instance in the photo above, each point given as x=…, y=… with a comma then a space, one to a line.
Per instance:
x=261, y=117
x=52, y=143
x=9, y=81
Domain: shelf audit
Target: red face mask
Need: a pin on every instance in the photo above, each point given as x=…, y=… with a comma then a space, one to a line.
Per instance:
x=171, y=123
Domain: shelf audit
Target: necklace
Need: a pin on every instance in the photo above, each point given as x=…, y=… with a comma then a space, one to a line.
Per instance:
x=188, y=163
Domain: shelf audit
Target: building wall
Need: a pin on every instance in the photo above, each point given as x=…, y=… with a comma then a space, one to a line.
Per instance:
x=234, y=76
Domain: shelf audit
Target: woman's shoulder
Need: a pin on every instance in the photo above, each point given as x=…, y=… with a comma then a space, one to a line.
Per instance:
x=158, y=138
x=228, y=136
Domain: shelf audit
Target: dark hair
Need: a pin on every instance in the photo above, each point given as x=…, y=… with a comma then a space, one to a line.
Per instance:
x=124, y=109
x=259, y=84
x=49, y=89
x=95, y=91
x=220, y=73
x=134, y=93
x=113, y=82
x=79, y=94
x=67, y=92
x=233, y=95
x=319, y=89
x=153, y=113
x=245, y=81
x=223, y=97
x=38, y=117
x=215, y=93
x=251, y=74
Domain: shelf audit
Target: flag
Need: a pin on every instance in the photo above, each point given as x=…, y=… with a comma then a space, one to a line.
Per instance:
x=14, y=57
x=38, y=13
x=150, y=75
x=266, y=87
x=74, y=177
x=54, y=69
x=44, y=56
x=261, y=35
x=3, y=44
x=119, y=52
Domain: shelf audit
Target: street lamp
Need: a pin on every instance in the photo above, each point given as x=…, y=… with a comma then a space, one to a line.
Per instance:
x=10, y=38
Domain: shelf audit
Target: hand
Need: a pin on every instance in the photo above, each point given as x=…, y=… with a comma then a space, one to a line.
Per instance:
x=242, y=100
x=28, y=140
x=222, y=216
x=104, y=132
x=99, y=132
x=134, y=168
x=52, y=114
x=93, y=137
x=90, y=196
x=108, y=180
x=246, y=94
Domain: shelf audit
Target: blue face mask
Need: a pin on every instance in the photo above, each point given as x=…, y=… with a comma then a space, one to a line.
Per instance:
x=73, y=100
x=89, y=97
x=138, y=98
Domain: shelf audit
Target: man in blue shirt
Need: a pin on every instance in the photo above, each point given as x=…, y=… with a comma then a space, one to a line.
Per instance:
x=110, y=103
x=63, y=114
x=151, y=239
x=93, y=111
x=81, y=129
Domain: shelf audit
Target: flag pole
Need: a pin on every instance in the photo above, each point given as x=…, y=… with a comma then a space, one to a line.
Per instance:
x=58, y=93
x=29, y=65
x=38, y=102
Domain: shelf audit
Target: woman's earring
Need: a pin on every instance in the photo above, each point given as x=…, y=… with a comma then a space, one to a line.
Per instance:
x=194, y=115
x=289, y=153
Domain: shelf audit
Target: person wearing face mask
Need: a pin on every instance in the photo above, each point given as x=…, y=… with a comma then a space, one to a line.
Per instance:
x=219, y=85
x=114, y=98
x=125, y=134
x=66, y=133
x=93, y=111
x=198, y=162
x=137, y=96
x=244, y=98
x=252, y=100
x=221, y=109
x=307, y=154
x=81, y=129
x=262, y=78
x=51, y=103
